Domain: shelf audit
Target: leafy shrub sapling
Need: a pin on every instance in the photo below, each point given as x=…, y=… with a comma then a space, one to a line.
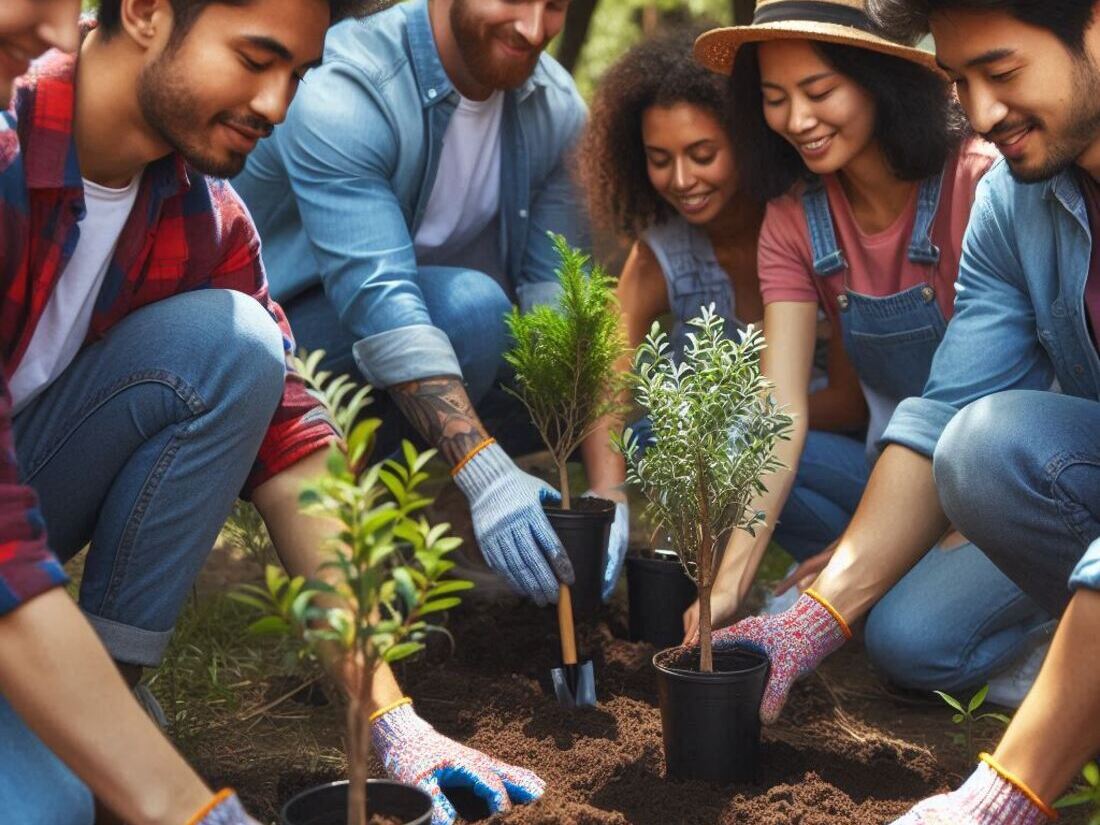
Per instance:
x=715, y=427
x=968, y=716
x=564, y=359
x=384, y=574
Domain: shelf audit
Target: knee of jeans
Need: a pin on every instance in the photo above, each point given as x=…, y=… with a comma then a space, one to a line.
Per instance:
x=909, y=650
x=252, y=346
x=472, y=313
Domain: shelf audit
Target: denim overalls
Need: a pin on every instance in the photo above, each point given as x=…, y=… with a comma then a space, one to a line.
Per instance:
x=693, y=277
x=890, y=340
x=954, y=619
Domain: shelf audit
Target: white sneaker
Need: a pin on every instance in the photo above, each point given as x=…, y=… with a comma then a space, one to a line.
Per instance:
x=1009, y=687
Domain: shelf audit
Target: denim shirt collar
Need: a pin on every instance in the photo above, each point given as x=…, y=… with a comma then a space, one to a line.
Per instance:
x=1065, y=188
x=431, y=77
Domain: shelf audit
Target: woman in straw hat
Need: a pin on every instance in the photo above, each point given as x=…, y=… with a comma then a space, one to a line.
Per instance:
x=657, y=164
x=860, y=147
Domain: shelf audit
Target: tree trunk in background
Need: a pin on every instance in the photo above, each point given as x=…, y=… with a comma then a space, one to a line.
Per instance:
x=575, y=32
x=742, y=11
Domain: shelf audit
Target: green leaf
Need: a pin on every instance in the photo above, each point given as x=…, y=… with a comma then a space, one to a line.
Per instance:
x=978, y=698
x=402, y=651
x=1072, y=800
x=951, y=700
x=451, y=586
x=957, y=718
x=439, y=605
x=1000, y=717
x=1091, y=772
x=269, y=626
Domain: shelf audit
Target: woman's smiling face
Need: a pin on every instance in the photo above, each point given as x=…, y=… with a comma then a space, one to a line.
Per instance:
x=826, y=116
x=689, y=159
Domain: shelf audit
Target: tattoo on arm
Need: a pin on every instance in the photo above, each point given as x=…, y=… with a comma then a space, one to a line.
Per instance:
x=442, y=413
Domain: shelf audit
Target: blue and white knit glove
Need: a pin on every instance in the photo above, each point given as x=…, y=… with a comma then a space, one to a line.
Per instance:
x=415, y=753
x=512, y=531
x=223, y=809
x=617, y=543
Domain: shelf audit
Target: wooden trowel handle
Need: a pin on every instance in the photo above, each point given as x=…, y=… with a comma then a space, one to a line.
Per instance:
x=565, y=626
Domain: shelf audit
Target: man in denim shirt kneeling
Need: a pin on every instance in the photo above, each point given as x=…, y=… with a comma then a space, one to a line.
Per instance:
x=404, y=208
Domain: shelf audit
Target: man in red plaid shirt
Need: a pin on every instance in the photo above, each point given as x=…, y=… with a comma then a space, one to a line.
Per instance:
x=143, y=382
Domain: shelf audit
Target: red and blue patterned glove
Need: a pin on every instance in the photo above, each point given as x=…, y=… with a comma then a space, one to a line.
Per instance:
x=223, y=809
x=415, y=753
x=989, y=797
x=795, y=641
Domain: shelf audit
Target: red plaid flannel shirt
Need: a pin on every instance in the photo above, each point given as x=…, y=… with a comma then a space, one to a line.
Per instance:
x=186, y=231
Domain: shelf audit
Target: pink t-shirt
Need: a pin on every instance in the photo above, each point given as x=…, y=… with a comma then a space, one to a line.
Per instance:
x=878, y=264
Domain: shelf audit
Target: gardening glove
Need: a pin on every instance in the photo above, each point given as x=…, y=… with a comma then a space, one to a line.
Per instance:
x=223, y=809
x=989, y=797
x=795, y=641
x=512, y=531
x=415, y=753
x=616, y=545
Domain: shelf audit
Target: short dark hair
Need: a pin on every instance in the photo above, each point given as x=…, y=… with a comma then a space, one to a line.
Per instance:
x=186, y=12
x=918, y=120
x=1067, y=19
x=657, y=72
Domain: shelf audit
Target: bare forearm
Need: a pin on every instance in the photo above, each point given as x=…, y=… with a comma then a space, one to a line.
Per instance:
x=299, y=541
x=57, y=676
x=898, y=519
x=605, y=467
x=441, y=411
x=1055, y=731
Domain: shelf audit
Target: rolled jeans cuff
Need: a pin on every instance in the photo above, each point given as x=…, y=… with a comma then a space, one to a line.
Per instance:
x=540, y=293
x=406, y=354
x=1087, y=571
x=131, y=645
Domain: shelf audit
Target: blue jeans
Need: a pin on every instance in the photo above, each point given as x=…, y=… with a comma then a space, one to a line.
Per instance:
x=1019, y=472
x=951, y=622
x=36, y=788
x=141, y=447
x=469, y=307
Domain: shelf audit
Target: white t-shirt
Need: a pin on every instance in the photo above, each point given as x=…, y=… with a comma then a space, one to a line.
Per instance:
x=64, y=323
x=466, y=193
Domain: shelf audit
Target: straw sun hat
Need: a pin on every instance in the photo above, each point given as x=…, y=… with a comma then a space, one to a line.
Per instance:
x=832, y=21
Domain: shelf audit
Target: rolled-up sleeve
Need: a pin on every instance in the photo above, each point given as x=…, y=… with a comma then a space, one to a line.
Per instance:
x=1087, y=572
x=340, y=170
x=991, y=345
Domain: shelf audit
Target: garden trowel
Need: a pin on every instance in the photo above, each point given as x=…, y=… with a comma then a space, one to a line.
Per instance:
x=574, y=683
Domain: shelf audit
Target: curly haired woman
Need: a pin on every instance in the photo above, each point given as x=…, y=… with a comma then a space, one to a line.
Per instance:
x=658, y=165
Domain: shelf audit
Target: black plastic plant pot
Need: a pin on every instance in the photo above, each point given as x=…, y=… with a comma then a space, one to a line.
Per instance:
x=711, y=721
x=659, y=591
x=328, y=804
x=584, y=531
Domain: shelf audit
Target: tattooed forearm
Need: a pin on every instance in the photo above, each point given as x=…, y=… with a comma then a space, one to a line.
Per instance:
x=442, y=413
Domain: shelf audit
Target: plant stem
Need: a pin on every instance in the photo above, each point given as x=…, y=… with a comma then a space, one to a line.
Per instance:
x=358, y=745
x=563, y=484
x=704, y=573
x=706, y=661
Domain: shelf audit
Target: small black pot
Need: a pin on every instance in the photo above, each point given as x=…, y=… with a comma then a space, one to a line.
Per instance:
x=584, y=531
x=659, y=592
x=711, y=721
x=328, y=804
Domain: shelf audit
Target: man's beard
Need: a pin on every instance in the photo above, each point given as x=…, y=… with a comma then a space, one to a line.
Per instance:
x=1080, y=132
x=171, y=108
x=476, y=48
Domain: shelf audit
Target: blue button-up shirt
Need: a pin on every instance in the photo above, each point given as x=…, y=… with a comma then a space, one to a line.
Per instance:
x=1020, y=309
x=339, y=190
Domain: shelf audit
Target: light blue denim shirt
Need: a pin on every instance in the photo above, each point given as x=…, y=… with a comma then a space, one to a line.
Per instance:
x=1019, y=310
x=339, y=190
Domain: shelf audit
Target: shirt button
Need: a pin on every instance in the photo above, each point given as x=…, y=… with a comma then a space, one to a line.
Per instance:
x=1078, y=369
x=523, y=213
x=432, y=93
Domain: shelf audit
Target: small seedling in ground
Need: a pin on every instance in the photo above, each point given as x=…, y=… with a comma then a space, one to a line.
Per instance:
x=968, y=717
x=246, y=529
x=384, y=575
x=564, y=359
x=715, y=427
x=1087, y=793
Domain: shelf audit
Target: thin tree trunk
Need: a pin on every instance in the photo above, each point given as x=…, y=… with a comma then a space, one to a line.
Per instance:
x=358, y=751
x=575, y=33
x=563, y=485
x=706, y=660
x=705, y=573
x=651, y=16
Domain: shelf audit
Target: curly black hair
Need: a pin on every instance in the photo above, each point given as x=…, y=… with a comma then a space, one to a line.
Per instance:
x=918, y=119
x=658, y=72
